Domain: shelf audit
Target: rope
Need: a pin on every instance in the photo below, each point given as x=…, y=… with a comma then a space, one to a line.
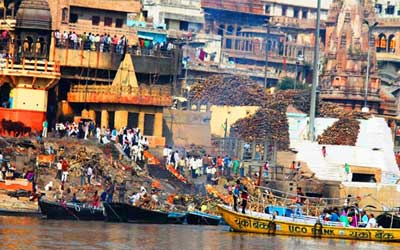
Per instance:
x=119, y=218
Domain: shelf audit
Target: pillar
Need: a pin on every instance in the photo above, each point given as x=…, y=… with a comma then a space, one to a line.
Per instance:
x=141, y=122
x=104, y=118
x=92, y=115
x=120, y=119
x=158, y=124
x=85, y=114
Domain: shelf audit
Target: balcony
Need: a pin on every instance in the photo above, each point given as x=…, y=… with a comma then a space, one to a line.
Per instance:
x=388, y=57
x=292, y=22
x=7, y=24
x=143, y=95
x=388, y=22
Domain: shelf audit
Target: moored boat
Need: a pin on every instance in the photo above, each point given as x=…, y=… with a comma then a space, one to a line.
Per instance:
x=199, y=218
x=70, y=211
x=254, y=222
x=122, y=212
x=176, y=218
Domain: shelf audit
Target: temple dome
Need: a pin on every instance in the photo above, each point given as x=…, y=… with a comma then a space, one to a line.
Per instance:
x=34, y=14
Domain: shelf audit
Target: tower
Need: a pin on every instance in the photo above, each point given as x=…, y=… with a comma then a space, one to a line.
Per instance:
x=346, y=57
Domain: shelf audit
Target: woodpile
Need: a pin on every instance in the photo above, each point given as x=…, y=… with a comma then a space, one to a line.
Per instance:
x=332, y=110
x=343, y=132
x=269, y=122
x=228, y=90
x=300, y=99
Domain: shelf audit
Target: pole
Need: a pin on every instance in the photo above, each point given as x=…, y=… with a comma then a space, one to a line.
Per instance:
x=368, y=66
x=315, y=75
x=266, y=58
x=187, y=61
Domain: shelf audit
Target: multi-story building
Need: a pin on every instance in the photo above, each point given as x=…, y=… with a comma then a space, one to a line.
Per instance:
x=52, y=75
x=183, y=15
x=245, y=38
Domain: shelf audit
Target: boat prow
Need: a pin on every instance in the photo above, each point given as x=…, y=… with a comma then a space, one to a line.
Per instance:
x=254, y=222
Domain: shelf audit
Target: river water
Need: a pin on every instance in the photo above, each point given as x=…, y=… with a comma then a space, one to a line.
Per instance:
x=39, y=234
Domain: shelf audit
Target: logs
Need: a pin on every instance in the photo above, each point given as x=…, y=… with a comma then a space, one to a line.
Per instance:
x=343, y=132
x=267, y=123
x=332, y=110
x=228, y=90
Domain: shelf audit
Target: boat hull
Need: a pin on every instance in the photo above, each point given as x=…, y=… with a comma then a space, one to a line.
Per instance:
x=197, y=218
x=121, y=212
x=254, y=224
x=56, y=211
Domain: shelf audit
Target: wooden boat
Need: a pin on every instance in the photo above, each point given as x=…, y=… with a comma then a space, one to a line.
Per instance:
x=386, y=220
x=70, y=211
x=199, y=218
x=254, y=222
x=176, y=218
x=122, y=212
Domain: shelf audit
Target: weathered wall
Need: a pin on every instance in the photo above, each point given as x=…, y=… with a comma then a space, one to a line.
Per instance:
x=220, y=114
x=143, y=64
x=30, y=99
x=182, y=128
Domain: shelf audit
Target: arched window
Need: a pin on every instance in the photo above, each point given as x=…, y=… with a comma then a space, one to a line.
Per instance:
x=391, y=44
x=64, y=15
x=382, y=43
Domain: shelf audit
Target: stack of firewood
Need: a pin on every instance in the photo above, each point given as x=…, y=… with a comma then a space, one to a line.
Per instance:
x=228, y=90
x=343, y=132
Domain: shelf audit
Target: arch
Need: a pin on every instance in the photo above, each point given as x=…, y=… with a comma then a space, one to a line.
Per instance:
x=382, y=43
x=27, y=44
x=238, y=31
x=391, y=44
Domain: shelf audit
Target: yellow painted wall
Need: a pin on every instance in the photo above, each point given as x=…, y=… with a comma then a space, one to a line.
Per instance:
x=233, y=113
x=30, y=99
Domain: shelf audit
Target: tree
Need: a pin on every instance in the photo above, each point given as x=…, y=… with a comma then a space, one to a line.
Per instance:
x=290, y=83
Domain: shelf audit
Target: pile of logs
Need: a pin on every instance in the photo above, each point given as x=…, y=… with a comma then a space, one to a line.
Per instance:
x=300, y=99
x=343, y=132
x=228, y=90
x=269, y=122
x=332, y=110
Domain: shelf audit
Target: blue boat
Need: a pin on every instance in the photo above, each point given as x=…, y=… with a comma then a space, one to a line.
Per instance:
x=176, y=218
x=200, y=218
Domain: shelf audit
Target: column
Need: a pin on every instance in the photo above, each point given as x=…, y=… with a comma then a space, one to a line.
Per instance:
x=85, y=114
x=92, y=115
x=104, y=118
x=141, y=122
x=158, y=124
x=120, y=119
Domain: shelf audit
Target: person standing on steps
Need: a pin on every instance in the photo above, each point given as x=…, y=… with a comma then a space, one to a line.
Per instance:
x=323, y=151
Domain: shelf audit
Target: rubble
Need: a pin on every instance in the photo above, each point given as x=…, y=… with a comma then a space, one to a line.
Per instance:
x=343, y=132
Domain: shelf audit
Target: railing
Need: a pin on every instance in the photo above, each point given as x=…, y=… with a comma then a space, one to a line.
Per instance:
x=80, y=28
x=30, y=65
x=293, y=22
x=115, y=49
x=388, y=21
x=123, y=90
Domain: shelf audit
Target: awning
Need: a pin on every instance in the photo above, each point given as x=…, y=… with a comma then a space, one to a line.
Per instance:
x=146, y=37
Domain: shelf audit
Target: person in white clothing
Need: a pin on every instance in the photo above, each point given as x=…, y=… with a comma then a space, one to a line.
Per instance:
x=371, y=222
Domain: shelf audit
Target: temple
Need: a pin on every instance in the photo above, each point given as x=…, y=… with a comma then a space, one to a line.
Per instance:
x=346, y=57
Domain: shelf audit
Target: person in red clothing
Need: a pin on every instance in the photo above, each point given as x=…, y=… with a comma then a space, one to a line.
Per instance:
x=245, y=198
x=64, y=166
x=219, y=165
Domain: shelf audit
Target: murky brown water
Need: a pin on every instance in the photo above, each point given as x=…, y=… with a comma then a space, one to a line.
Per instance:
x=37, y=234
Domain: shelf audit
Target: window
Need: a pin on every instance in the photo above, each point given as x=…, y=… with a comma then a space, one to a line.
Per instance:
x=398, y=12
x=183, y=25
x=296, y=13
x=304, y=15
x=378, y=8
x=119, y=22
x=65, y=15
x=284, y=10
x=390, y=10
x=95, y=20
x=73, y=18
x=148, y=124
x=267, y=9
x=108, y=21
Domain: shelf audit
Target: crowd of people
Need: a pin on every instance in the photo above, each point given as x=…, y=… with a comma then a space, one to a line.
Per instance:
x=350, y=217
x=195, y=166
x=106, y=42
